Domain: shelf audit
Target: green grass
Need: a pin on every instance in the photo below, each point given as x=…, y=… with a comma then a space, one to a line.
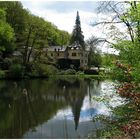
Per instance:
x=81, y=76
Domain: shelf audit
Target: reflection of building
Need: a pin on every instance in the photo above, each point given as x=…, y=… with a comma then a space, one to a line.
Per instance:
x=70, y=55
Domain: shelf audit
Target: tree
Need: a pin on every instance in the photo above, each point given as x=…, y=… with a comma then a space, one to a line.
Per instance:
x=16, y=16
x=6, y=36
x=77, y=35
x=128, y=47
x=30, y=33
x=94, y=57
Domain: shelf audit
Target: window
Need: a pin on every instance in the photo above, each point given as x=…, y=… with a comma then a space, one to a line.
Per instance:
x=57, y=54
x=73, y=54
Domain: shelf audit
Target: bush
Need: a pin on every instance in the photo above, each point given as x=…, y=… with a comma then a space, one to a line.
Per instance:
x=80, y=73
x=16, y=71
x=136, y=73
x=70, y=71
x=2, y=74
x=49, y=69
x=67, y=72
x=5, y=63
x=46, y=70
x=118, y=74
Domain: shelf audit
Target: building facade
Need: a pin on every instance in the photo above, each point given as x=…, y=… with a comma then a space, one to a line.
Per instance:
x=73, y=56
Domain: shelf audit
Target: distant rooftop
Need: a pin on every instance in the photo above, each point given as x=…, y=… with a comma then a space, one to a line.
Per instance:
x=63, y=48
x=57, y=48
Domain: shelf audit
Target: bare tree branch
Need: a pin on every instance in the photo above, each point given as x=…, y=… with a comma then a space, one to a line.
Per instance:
x=106, y=22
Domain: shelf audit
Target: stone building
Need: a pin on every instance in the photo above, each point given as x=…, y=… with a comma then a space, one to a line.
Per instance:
x=73, y=56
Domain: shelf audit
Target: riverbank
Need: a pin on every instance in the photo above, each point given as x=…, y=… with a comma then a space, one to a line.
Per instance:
x=86, y=76
x=53, y=74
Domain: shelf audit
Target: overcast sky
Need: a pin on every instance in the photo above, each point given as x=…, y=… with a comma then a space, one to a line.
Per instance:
x=63, y=15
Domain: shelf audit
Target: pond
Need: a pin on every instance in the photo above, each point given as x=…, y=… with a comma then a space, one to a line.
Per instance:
x=54, y=108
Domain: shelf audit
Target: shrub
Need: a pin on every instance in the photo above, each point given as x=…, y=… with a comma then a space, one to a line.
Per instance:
x=70, y=71
x=61, y=72
x=46, y=70
x=2, y=74
x=16, y=71
x=80, y=73
x=50, y=70
x=136, y=73
x=5, y=63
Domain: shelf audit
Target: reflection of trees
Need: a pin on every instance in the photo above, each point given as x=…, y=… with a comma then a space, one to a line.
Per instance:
x=21, y=112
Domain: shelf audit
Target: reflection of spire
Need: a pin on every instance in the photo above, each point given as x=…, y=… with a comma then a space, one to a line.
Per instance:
x=76, y=109
x=75, y=97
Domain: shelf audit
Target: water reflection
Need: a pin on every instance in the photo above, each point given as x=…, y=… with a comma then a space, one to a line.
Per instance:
x=55, y=108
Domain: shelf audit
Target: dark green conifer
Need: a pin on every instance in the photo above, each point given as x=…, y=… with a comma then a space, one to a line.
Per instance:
x=77, y=35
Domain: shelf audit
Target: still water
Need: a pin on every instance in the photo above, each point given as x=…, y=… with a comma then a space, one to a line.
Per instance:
x=54, y=108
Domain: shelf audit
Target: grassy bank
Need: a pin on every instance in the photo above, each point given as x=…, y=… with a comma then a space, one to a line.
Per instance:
x=18, y=74
x=86, y=76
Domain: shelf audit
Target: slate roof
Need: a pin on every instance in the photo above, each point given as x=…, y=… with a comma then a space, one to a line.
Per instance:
x=60, y=48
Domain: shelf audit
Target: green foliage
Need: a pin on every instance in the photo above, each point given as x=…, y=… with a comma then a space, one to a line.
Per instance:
x=67, y=72
x=136, y=73
x=130, y=49
x=112, y=131
x=6, y=63
x=15, y=15
x=95, y=59
x=47, y=69
x=16, y=71
x=118, y=75
x=43, y=70
x=2, y=74
x=70, y=71
x=129, y=56
x=6, y=36
x=107, y=60
x=2, y=15
x=29, y=34
x=80, y=73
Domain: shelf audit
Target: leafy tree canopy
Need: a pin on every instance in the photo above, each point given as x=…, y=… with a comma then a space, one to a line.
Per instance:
x=6, y=36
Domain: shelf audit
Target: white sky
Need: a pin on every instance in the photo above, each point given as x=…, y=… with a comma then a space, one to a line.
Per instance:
x=63, y=14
